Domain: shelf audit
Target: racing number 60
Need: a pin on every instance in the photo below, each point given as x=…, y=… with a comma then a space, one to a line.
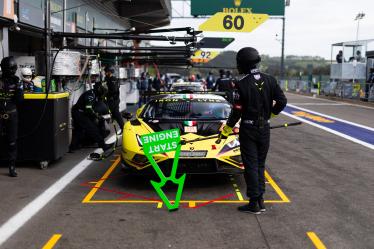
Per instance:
x=237, y=22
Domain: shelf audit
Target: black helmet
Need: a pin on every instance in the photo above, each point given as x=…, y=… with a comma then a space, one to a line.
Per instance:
x=248, y=57
x=9, y=65
x=101, y=108
x=109, y=68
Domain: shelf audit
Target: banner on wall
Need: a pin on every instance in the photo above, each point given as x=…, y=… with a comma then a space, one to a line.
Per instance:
x=7, y=8
x=31, y=12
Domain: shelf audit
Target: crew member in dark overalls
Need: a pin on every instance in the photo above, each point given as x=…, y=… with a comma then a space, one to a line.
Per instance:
x=113, y=99
x=11, y=94
x=257, y=96
x=86, y=119
x=369, y=85
x=225, y=84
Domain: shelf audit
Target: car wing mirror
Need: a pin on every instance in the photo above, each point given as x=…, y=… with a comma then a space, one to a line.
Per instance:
x=127, y=115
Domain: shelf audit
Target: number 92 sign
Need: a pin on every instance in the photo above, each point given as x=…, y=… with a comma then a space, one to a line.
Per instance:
x=233, y=22
x=204, y=56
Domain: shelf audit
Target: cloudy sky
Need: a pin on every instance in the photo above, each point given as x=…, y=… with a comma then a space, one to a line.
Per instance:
x=311, y=27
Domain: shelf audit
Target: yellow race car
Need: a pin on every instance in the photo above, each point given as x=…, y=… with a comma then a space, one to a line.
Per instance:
x=198, y=116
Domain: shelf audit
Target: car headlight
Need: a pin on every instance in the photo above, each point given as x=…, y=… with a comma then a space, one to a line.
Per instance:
x=139, y=141
x=230, y=146
x=233, y=144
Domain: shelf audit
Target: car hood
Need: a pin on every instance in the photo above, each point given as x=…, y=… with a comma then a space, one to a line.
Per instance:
x=204, y=128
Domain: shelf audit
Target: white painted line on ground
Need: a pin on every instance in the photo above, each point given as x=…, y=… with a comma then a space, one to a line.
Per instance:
x=18, y=220
x=329, y=100
x=370, y=146
x=333, y=118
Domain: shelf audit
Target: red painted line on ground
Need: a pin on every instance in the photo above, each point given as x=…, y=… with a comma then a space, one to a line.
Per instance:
x=120, y=192
x=126, y=195
x=123, y=197
x=209, y=202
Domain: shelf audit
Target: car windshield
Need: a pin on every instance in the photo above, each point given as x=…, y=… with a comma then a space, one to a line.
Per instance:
x=186, y=88
x=187, y=109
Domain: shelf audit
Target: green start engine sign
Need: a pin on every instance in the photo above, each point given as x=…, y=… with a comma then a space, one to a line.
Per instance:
x=158, y=143
x=211, y=7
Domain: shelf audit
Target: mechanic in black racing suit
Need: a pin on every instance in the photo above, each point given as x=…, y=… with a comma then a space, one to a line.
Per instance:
x=225, y=84
x=113, y=99
x=87, y=119
x=257, y=97
x=11, y=94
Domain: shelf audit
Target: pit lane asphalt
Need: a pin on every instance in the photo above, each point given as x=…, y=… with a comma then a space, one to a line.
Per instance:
x=328, y=179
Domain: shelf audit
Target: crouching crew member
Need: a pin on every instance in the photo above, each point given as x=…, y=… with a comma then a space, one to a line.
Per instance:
x=11, y=94
x=253, y=104
x=86, y=119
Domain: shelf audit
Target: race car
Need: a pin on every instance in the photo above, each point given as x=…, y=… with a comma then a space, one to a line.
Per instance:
x=197, y=116
x=187, y=86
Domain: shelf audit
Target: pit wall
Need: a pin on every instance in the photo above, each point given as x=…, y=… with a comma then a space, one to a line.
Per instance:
x=360, y=91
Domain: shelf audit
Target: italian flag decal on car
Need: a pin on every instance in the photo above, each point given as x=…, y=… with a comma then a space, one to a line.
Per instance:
x=187, y=96
x=190, y=123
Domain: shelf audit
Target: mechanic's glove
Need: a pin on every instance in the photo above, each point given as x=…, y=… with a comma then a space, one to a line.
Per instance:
x=105, y=117
x=226, y=131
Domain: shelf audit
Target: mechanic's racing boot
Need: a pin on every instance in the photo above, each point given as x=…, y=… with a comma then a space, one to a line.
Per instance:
x=252, y=208
x=12, y=170
x=108, y=147
x=108, y=150
x=261, y=204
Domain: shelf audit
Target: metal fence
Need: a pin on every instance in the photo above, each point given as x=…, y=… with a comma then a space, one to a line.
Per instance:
x=345, y=90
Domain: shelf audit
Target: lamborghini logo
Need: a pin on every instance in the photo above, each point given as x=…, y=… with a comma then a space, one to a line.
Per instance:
x=237, y=3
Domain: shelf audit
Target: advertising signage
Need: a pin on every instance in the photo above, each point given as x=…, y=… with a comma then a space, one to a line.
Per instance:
x=211, y=7
x=215, y=42
x=31, y=12
x=7, y=8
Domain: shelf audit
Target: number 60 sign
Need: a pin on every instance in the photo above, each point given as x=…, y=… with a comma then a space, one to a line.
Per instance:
x=234, y=22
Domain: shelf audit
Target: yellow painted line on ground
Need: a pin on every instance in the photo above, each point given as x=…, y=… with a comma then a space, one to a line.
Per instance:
x=184, y=201
x=93, y=191
x=277, y=188
x=52, y=241
x=88, y=198
x=237, y=190
x=316, y=241
x=239, y=194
